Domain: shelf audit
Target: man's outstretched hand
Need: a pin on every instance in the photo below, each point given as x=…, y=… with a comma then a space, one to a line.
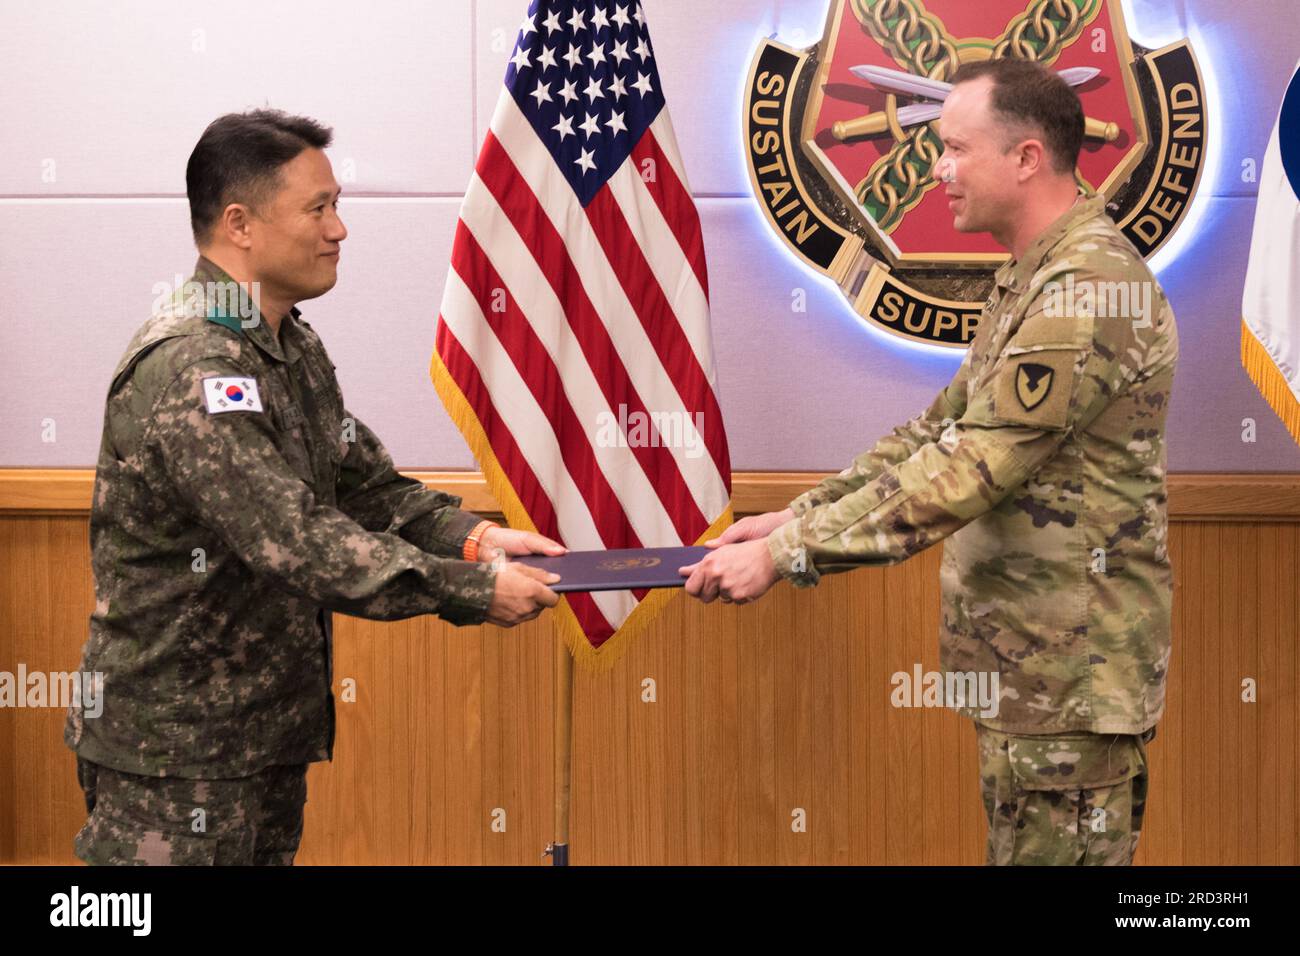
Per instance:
x=755, y=526
x=514, y=543
x=521, y=594
x=737, y=573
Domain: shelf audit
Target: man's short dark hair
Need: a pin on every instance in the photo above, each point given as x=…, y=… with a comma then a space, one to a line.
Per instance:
x=238, y=159
x=1030, y=95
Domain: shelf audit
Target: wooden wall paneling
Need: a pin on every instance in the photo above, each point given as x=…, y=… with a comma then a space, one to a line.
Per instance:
x=761, y=709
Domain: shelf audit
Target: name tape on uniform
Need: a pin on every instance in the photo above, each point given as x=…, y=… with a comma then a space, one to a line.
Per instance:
x=225, y=394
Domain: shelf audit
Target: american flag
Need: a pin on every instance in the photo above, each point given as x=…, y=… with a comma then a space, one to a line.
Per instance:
x=573, y=345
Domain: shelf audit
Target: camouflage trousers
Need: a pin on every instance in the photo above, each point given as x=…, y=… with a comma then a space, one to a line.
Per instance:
x=1063, y=799
x=170, y=821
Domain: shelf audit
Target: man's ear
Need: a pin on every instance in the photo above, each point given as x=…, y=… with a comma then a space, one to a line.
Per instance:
x=1031, y=158
x=235, y=223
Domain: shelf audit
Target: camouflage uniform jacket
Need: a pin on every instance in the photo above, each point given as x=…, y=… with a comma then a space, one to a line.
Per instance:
x=223, y=537
x=1043, y=464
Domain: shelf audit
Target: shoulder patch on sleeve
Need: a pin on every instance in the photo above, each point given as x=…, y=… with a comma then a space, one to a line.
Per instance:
x=1033, y=388
x=226, y=393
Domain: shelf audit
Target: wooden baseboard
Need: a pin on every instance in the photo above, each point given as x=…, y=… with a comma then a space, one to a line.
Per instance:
x=1193, y=496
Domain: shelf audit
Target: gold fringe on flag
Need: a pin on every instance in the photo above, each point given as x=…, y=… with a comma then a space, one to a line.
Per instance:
x=1263, y=371
x=593, y=658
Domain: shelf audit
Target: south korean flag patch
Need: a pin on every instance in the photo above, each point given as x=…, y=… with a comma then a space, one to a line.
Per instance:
x=225, y=394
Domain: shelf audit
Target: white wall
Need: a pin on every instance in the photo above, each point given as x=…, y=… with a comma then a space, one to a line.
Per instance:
x=102, y=103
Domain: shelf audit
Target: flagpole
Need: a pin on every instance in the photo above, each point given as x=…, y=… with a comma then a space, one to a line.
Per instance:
x=558, y=849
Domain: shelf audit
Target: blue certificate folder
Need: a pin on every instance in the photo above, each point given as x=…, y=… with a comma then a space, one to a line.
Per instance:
x=621, y=569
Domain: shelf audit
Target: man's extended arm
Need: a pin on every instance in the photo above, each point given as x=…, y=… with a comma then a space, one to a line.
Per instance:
x=374, y=494
x=992, y=449
x=227, y=469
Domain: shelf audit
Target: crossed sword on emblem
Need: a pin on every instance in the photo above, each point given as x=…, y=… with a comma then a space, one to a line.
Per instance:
x=909, y=84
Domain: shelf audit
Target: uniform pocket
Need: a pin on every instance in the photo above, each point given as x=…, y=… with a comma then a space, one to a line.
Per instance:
x=1074, y=761
x=1074, y=798
x=108, y=840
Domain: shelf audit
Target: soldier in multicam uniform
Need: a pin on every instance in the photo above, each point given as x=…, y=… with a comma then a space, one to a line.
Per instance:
x=1043, y=464
x=237, y=503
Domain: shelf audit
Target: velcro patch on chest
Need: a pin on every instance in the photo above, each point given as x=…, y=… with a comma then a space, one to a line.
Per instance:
x=1033, y=388
x=231, y=394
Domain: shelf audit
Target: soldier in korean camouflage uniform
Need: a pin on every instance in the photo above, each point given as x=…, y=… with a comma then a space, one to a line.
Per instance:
x=1042, y=464
x=237, y=504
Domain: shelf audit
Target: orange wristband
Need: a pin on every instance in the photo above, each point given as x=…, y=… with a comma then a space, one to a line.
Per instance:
x=470, y=551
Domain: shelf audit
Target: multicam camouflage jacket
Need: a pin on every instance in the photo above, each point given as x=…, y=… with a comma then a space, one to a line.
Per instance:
x=237, y=504
x=1043, y=465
